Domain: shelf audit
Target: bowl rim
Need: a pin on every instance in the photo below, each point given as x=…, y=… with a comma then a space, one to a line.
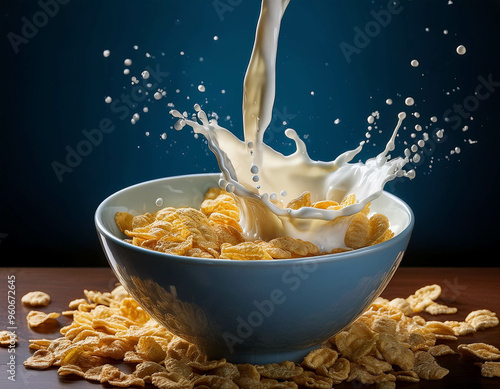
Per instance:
x=101, y=229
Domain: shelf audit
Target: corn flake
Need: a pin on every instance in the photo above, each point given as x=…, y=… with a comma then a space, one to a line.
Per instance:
x=37, y=318
x=283, y=370
x=41, y=359
x=482, y=319
x=243, y=251
x=303, y=200
x=483, y=351
x=427, y=368
x=36, y=299
x=7, y=338
x=320, y=357
x=490, y=369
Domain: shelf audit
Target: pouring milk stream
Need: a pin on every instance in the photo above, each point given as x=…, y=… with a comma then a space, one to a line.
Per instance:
x=263, y=180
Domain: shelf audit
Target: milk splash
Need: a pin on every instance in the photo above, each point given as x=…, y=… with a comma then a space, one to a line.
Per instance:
x=263, y=180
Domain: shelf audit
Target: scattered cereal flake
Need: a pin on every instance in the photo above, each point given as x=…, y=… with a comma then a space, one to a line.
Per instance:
x=482, y=319
x=41, y=359
x=440, y=350
x=440, y=309
x=403, y=305
x=407, y=376
x=483, y=351
x=36, y=299
x=460, y=328
x=427, y=368
x=361, y=374
x=37, y=318
x=283, y=370
x=310, y=379
x=439, y=328
x=7, y=338
x=490, y=369
x=338, y=372
x=424, y=297
x=74, y=304
x=395, y=352
x=213, y=381
x=320, y=357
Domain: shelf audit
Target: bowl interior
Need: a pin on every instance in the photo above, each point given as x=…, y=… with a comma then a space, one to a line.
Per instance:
x=189, y=191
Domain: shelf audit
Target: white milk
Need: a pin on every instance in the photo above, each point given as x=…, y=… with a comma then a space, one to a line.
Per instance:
x=263, y=180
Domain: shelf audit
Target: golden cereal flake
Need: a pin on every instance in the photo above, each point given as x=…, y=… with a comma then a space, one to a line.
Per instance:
x=490, y=369
x=486, y=352
x=37, y=318
x=36, y=299
x=482, y=319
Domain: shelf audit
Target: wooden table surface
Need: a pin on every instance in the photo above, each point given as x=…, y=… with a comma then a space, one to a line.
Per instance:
x=467, y=289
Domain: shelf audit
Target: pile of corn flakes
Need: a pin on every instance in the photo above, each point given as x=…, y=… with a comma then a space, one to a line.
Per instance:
x=388, y=343
x=214, y=230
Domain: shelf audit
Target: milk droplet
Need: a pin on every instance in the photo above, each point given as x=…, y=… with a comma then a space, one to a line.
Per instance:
x=445, y=32
x=179, y=124
x=457, y=150
x=409, y=101
x=126, y=71
x=145, y=74
x=461, y=50
x=254, y=169
x=283, y=193
x=127, y=62
x=410, y=174
x=255, y=178
x=136, y=116
x=416, y=158
x=157, y=95
x=159, y=202
x=434, y=119
x=418, y=127
x=336, y=121
x=216, y=38
x=201, y=88
x=106, y=53
x=370, y=119
x=145, y=109
x=414, y=63
x=108, y=99
x=465, y=128
x=147, y=133
x=440, y=133
x=388, y=101
x=312, y=93
x=163, y=136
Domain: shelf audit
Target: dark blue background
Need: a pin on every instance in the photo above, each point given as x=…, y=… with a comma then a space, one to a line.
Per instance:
x=54, y=88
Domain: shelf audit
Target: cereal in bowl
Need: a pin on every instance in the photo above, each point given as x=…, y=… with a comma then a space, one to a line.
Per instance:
x=214, y=230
